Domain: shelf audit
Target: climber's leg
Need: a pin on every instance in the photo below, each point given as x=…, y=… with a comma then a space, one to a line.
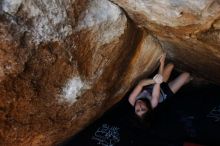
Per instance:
x=167, y=71
x=181, y=80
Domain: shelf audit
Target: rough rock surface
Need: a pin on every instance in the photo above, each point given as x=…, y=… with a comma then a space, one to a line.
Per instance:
x=63, y=63
x=187, y=30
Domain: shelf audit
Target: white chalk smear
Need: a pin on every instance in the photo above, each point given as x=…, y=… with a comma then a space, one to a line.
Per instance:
x=99, y=11
x=73, y=89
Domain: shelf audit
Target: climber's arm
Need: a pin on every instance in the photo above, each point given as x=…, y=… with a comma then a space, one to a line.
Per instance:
x=162, y=62
x=155, y=95
x=138, y=88
x=158, y=79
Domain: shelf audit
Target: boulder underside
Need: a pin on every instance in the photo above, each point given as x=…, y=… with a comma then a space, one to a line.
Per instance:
x=63, y=63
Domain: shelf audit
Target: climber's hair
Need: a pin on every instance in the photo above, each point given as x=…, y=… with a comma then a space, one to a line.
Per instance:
x=146, y=119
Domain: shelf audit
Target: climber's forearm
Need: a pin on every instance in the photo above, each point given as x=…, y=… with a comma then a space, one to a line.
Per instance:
x=155, y=95
x=138, y=88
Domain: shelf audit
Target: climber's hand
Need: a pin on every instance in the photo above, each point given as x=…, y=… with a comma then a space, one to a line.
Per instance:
x=158, y=78
x=162, y=58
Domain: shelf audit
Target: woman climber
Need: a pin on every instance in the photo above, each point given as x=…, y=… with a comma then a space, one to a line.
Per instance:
x=149, y=92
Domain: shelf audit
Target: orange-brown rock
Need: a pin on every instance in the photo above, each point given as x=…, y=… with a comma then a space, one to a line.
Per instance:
x=187, y=30
x=63, y=63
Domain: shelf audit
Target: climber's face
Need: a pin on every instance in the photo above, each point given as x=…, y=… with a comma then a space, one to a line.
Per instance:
x=140, y=108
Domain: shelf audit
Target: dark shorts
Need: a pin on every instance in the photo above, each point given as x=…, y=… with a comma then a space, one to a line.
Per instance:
x=166, y=89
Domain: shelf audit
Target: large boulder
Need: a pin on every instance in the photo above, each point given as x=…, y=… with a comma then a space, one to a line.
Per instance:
x=187, y=30
x=63, y=63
